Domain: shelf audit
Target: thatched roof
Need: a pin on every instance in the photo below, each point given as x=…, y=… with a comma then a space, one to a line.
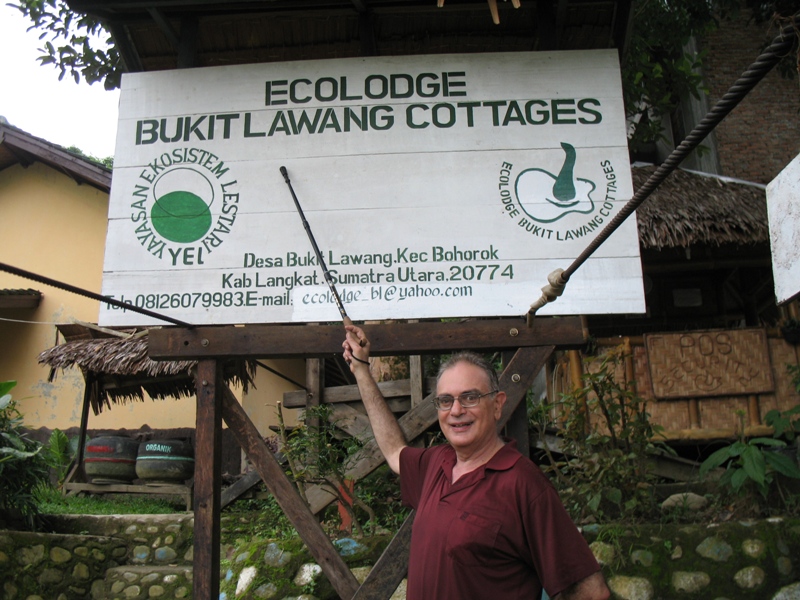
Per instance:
x=117, y=370
x=688, y=209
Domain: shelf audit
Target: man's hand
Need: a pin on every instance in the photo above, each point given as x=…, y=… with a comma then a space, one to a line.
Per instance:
x=591, y=588
x=356, y=347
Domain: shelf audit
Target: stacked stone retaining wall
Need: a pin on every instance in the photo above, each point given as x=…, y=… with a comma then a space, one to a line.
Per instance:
x=150, y=556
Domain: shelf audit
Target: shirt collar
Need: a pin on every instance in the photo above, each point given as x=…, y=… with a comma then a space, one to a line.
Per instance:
x=504, y=459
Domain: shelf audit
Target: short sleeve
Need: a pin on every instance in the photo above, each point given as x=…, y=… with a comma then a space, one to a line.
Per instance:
x=560, y=553
x=413, y=465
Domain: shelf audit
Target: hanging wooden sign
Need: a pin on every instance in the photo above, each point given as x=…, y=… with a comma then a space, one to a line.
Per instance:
x=709, y=363
x=436, y=186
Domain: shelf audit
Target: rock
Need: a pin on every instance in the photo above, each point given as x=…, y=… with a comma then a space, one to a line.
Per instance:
x=165, y=555
x=749, y=578
x=275, y=556
x=686, y=500
x=400, y=592
x=603, y=553
x=81, y=571
x=59, y=555
x=141, y=554
x=246, y=577
x=642, y=557
x=266, y=591
x=50, y=576
x=348, y=546
x=754, y=548
x=784, y=566
x=690, y=582
x=677, y=552
x=715, y=548
x=307, y=573
x=360, y=573
x=31, y=556
x=630, y=588
x=790, y=592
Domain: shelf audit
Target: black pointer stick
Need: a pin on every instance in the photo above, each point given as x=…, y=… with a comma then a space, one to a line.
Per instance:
x=328, y=279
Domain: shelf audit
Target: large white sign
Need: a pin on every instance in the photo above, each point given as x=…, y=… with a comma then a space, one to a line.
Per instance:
x=435, y=186
x=783, y=208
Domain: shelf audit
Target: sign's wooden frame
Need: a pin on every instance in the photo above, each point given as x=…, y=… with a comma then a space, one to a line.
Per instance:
x=527, y=351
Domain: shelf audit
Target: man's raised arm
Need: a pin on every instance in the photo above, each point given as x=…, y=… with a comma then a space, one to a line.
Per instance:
x=387, y=432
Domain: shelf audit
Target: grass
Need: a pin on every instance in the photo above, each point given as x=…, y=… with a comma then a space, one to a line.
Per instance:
x=51, y=502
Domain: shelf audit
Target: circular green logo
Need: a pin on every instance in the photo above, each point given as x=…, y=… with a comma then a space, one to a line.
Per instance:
x=181, y=212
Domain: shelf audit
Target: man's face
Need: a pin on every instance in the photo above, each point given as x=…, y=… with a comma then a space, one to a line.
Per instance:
x=469, y=429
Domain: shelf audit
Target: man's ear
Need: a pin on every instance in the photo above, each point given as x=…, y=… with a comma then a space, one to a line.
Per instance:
x=499, y=400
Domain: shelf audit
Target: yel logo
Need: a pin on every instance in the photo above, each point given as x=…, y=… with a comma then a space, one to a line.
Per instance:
x=546, y=198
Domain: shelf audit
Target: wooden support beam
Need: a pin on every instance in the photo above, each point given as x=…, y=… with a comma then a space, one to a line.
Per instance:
x=207, y=481
x=288, y=498
x=233, y=492
x=350, y=393
x=391, y=567
x=298, y=341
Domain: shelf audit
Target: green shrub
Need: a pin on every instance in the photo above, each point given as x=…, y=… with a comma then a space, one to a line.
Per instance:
x=607, y=438
x=23, y=465
x=752, y=464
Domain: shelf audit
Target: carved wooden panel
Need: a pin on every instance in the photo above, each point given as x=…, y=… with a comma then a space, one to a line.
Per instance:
x=709, y=363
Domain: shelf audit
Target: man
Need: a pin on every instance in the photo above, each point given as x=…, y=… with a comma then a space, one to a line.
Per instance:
x=489, y=524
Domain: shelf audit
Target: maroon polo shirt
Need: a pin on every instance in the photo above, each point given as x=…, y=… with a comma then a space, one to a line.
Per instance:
x=500, y=532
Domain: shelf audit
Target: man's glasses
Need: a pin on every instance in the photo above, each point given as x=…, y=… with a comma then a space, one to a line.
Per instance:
x=466, y=400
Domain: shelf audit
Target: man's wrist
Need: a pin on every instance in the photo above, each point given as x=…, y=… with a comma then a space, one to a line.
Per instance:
x=363, y=362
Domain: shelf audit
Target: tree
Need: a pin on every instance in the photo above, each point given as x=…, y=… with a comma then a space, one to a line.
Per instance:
x=657, y=71
x=74, y=43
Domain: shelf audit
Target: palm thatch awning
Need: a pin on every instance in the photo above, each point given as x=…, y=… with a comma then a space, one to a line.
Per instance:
x=118, y=370
x=690, y=209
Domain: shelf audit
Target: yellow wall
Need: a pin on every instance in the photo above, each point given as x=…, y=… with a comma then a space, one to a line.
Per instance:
x=54, y=227
x=260, y=403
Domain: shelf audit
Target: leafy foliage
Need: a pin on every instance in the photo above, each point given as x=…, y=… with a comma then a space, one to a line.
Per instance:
x=320, y=457
x=58, y=454
x=657, y=71
x=750, y=464
x=607, y=437
x=76, y=44
x=22, y=462
x=107, y=162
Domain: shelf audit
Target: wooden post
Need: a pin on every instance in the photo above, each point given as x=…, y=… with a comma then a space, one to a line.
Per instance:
x=517, y=427
x=77, y=472
x=207, y=482
x=753, y=410
x=694, y=413
x=576, y=382
x=315, y=384
x=416, y=379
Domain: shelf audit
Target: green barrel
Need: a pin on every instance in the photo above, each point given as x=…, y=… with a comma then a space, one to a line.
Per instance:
x=165, y=461
x=111, y=459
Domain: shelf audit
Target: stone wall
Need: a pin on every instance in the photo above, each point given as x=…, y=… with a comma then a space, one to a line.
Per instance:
x=150, y=556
